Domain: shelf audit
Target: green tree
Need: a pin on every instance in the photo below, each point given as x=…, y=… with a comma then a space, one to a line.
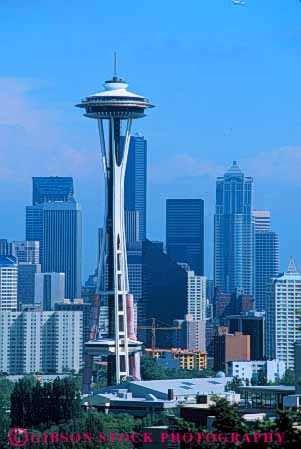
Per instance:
x=287, y=422
x=227, y=417
x=234, y=384
x=6, y=388
x=21, y=409
x=288, y=378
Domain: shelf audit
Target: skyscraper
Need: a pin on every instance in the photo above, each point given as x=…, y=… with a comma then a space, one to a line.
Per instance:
x=4, y=247
x=52, y=189
x=8, y=283
x=56, y=224
x=164, y=290
x=26, y=283
x=196, y=307
x=283, y=315
x=266, y=256
x=233, y=232
x=49, y=342
x=49, y=289
x=253, y=324
x=25, y=251
x=185, y=232
x=262, y=220
x=135, y=183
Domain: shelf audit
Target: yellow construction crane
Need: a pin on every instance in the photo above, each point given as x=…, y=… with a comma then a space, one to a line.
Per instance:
x=154, y=328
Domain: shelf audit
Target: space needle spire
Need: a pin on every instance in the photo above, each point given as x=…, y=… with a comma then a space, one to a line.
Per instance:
x=114, y=108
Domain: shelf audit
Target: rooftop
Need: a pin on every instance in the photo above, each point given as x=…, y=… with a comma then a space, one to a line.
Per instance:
x=181, y=387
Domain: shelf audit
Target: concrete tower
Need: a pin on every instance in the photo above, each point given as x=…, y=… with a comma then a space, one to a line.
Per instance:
x=112, y=108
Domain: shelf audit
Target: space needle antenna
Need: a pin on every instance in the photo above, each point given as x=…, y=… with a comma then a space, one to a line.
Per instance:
x=115, y=63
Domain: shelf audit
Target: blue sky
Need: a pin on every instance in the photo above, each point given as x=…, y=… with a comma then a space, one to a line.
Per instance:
x=225, y=80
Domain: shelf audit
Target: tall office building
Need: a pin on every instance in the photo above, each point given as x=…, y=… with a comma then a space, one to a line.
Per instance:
x=229, y=347
x=185, y=232
x=4, y=247
x=164, y=290
x=262, y=220
x=253, y=324
x=135, y=273
x=8, y=283
x=132, y=226
x=77, y=306
x=266, y=256
x=135, y=185
x=48, y=342
x=25, y=251
x=49, y=289
x=196, y=307
x=283, y=317
x=26, y=283
x=52, y=189
x=54, y=220
x=233, y=232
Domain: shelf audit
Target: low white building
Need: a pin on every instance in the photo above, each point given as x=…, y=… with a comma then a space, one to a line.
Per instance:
x=273, y=370
x=46, y=342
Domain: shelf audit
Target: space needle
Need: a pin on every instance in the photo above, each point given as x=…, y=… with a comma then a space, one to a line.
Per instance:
x=114, y=108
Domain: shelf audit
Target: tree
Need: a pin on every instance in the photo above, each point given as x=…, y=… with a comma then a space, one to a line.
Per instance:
x=286, y=423
x=227, y=417
x=21, y=409
x=6, y=388
x=33, y=404
x=288, y=378
x=234, y=384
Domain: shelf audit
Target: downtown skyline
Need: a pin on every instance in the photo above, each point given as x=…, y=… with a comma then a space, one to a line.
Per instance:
x=236, y=114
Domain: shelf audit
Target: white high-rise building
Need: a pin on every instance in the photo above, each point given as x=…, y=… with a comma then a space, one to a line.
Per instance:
x=262, y=220
x=196, y=307
x=48, y=342
x=8, y=283
x=283, y=315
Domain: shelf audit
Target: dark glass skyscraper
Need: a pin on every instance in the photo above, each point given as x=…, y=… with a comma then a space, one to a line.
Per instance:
x=56, y=224
x=233, y=232
x=164, y=290
x=135, y=182
x=52, y=188
x=185, y=232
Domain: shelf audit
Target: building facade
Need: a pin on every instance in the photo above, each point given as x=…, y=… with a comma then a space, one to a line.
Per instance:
x=8, y=283
x=56, y=224
x=253, y=324
x=283, y=318
x=26, y=252
x=46, y=342
x=228, y=347
x=135, y=186
x=272, y=370
x=188, y=360
x=51, y=189
x=49, y=289
x=185, y=232
x=4, y=247
x=233, y=232
x=26, y=283
x=266, y=256
x=196, y=307
x=164, y=291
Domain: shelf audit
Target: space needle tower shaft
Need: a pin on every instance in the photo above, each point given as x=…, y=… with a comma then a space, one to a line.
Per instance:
x=115, y=108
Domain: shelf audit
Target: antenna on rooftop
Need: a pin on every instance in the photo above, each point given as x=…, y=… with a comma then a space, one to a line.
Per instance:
x=115, y=64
